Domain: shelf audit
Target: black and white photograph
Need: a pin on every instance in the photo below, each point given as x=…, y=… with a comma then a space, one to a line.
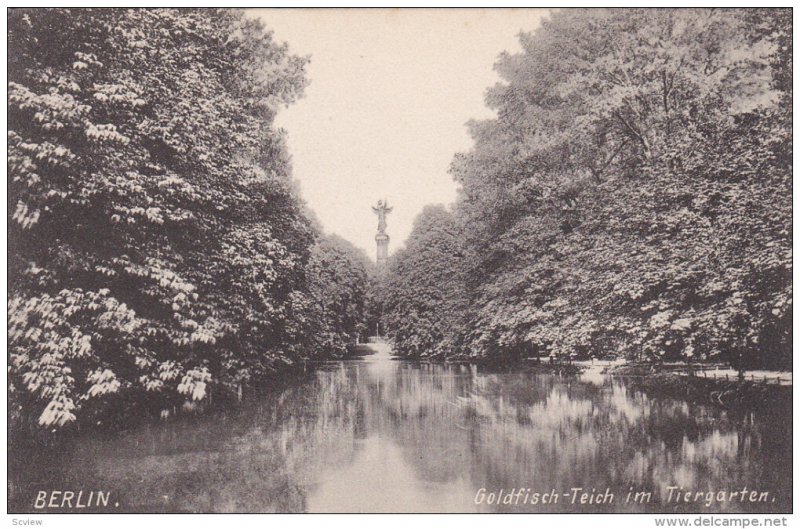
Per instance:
x=524, y=260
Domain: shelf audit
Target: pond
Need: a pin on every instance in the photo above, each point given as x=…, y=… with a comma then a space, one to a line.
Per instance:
x=378, y=434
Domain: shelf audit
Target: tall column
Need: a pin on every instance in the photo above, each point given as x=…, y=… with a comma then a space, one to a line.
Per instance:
x=382, y=241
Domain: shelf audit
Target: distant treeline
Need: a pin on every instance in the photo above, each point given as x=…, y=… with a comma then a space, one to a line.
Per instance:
x=632, y=198
x=158, y=250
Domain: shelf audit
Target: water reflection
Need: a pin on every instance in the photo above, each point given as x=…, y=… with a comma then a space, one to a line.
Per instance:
x=379, y=435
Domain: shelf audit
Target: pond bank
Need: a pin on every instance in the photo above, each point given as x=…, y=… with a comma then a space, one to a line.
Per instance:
x=713, y=384
x=711, y=371
x=718, y=392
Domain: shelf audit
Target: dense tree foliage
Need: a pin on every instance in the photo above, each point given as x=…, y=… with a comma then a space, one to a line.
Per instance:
x=338, y=282
x=158, y=248
x=633, y=195
x=424, y=295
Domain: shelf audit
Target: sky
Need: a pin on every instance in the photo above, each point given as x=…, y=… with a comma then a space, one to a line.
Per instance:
x=390, y=93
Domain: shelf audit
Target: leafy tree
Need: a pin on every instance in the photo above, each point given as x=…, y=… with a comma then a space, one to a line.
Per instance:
x=633, y=195
x=157, y=246
x=424, y=294
x=338, y=282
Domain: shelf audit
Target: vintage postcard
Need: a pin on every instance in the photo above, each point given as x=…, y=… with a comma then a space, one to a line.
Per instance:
x=400, y=261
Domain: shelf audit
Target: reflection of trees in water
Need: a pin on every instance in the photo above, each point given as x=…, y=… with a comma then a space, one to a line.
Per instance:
x=503, y=431
x=450, y=424
x=261, y=458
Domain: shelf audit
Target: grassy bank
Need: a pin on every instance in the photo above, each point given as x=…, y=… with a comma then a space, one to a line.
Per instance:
x=717, y=392
x=688, y=382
